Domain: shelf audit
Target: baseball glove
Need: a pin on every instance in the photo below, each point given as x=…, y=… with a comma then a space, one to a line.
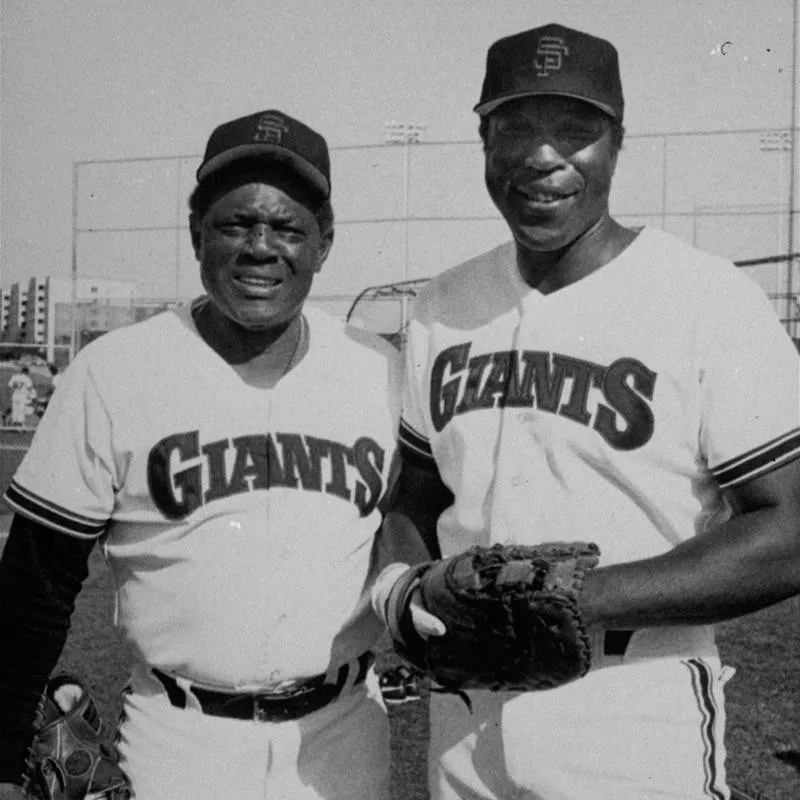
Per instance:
x=511, y=615
x=72, y=756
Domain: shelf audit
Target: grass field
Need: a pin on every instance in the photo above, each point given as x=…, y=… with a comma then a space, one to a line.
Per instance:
x=14, y=443
x=763, y=698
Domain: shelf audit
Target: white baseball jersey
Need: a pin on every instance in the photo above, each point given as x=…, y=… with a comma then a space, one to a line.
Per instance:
x=238, y=521
x=20, y=383
x=615, y=409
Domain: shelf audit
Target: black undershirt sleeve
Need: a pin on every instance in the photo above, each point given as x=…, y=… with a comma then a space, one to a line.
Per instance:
x=41, y=574
x=418, y=494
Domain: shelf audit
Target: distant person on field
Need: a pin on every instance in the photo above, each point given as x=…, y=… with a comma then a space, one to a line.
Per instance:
x=22, y=395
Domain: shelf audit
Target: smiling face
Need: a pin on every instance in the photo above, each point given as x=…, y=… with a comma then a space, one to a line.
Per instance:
x=259, y=246
x=549, y=164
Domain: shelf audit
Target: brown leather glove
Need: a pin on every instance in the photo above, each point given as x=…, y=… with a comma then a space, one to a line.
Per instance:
x=511, y=614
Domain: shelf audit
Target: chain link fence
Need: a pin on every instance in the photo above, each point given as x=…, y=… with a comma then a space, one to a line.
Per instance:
x=404, y=212
x=385, y=308
x=408, y=210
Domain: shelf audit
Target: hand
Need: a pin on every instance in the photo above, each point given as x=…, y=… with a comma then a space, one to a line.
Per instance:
x=425, y=623
x=396, y=603
x=10, y=791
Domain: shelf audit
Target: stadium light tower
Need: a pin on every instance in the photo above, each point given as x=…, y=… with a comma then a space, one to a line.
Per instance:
x=794, y=128
x=405, y=134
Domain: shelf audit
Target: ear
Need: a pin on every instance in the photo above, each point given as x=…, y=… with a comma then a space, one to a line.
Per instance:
x=195, y=230
x=617, y=147
x=326, y=243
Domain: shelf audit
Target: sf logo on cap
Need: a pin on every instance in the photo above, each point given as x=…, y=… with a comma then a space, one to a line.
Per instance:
x=549, y=55
x=270, y=128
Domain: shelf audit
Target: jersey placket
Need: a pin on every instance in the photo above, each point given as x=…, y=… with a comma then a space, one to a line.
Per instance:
x=513, y=516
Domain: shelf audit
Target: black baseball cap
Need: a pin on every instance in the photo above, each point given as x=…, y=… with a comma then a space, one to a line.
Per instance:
x=274, y=136
x=553, y=59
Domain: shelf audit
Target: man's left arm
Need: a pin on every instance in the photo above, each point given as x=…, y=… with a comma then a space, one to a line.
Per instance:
x=746, y=564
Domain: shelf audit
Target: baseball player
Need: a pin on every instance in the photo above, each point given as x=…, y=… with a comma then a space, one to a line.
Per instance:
x=591, y=381
x=22, y=395
x=229, y=458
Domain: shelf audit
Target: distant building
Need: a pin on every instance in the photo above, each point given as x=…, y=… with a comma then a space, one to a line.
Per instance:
x=5, y=303
x=15, y=308
x=46, y=310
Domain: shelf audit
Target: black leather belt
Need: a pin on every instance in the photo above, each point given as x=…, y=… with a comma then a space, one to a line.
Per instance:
x=307, y=696
x=615, y=643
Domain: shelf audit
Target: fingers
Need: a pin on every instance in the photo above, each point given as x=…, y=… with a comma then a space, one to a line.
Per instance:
x=425, y=623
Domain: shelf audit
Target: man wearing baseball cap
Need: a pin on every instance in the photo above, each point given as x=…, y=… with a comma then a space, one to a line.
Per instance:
x=230, y=455
x=587, y=381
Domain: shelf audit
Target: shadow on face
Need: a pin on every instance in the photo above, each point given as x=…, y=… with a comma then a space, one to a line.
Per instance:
x=254, y=170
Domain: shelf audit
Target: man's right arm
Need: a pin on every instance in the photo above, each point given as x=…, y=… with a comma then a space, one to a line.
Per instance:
x=41, y=574
x=414, y=503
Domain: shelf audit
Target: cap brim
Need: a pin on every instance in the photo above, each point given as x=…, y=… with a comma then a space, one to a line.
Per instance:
x=491, y=105
x=268, y=152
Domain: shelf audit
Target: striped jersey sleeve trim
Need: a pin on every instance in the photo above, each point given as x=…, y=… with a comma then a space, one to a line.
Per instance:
x=53, y=516
x=710, y=728
x=414, y=441
x=759, y=460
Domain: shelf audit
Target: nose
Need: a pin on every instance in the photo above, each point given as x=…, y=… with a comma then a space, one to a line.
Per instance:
x=260, y=240
x=543, y=154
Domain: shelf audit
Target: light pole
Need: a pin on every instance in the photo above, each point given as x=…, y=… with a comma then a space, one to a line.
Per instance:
x=405, y=134
x=794, y=128
x=73, y=324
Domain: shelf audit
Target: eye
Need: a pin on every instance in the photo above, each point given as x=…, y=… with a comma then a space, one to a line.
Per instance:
x=290, y=232
x=292, y=237
x=512, y=125
x=231, y=227
x=582, y=130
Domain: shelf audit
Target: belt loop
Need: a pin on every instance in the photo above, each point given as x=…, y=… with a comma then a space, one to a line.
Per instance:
x=345, y=671
x=179, y=690
x=348, y=674
x=191, y=698
x=353, y=672
x=175, y=694
x=364, y=663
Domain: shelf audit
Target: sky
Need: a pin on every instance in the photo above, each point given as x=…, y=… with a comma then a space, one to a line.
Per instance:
x=93, y=79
